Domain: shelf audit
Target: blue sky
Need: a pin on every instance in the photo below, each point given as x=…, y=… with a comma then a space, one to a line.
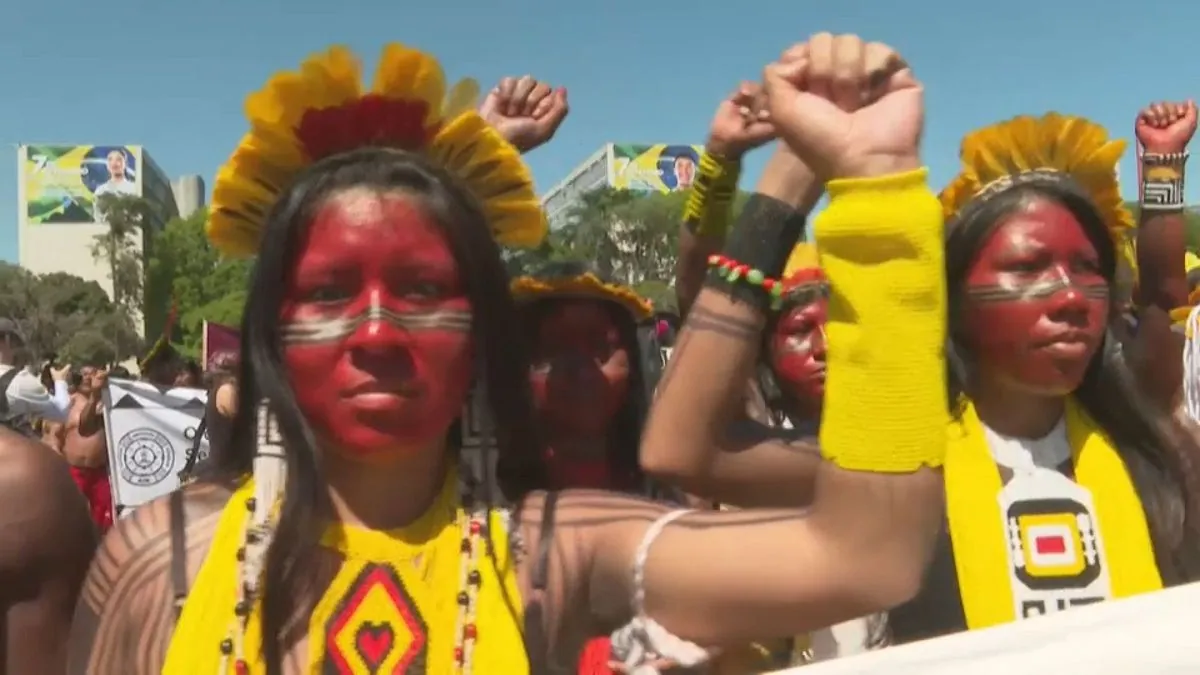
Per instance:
x=171, y=76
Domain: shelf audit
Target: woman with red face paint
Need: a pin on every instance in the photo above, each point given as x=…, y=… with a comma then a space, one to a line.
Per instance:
x=588, y=376
x=591, y=362
x=339, y=530
x=1064, y=486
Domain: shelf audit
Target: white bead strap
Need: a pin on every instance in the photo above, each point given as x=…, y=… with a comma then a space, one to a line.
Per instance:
x=643, y=640
x=643, y=552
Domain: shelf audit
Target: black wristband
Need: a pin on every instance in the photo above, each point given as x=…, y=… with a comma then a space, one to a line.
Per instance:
x=762, y=238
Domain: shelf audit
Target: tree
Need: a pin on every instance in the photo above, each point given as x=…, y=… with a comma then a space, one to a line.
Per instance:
x=631, y=237
x=62, y=314
x=523, y=261
x=118, y=247
x=186, y=271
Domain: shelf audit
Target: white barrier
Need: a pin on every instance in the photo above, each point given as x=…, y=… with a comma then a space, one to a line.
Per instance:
x=1147, y=635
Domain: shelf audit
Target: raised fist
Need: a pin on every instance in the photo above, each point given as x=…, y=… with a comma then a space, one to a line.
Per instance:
x=61, y=373
x=848, y=108
x=1165, y=127
x=741, y=123
x=525, y=111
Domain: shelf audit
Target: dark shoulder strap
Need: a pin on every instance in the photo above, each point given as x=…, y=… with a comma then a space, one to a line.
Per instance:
x=178, y=551
x=541, y=568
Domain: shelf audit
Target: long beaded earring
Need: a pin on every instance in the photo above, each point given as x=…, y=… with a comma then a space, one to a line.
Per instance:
x=270, y=477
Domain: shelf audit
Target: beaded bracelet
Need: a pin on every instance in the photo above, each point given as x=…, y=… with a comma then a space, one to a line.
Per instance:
x=710, y=205
x=1162, y=181
x=732, y=271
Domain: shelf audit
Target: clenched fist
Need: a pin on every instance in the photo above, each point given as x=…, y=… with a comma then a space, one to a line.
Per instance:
x=848, y=108
x=525, y=111
x=1166, y=127
x=740, y=124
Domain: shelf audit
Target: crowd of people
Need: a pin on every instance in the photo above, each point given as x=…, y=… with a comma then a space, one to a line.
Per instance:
x=62, y=407
x=949, y=411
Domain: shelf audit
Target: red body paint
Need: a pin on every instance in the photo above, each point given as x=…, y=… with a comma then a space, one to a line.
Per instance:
x=580, y=369
x=376, y=327
x=798, y=352
x=1035, y=301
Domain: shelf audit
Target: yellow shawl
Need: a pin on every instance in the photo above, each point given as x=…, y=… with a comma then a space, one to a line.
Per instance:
x=977, y=525
x=393, y=600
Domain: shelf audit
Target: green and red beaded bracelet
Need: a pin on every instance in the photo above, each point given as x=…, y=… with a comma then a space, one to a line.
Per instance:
x=732, y=271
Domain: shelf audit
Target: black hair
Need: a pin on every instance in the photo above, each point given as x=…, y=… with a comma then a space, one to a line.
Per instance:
x=1107, y=392
x=192, y=367
x=292, y=556
x=645, y=368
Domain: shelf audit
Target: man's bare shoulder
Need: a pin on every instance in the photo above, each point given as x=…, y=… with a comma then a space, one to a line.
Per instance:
x=43, y=515
x=146, y=531
x=130, y=589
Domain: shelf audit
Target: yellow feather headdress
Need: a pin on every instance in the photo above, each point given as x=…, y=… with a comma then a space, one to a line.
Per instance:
x=320, y=110
x=1031, y=149
x=803, y=279
x=802, y=257
x=585, y=285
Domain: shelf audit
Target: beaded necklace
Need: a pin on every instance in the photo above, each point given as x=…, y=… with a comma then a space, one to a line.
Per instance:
x=471, y=520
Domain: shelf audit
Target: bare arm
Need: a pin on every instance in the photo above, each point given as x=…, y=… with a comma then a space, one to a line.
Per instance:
x=863, y=547
x=864, y=544
x=46, y=541
x=227, y=399
x=1165, y=130
x=744, y=463
x=91, y=414
x=54, y=434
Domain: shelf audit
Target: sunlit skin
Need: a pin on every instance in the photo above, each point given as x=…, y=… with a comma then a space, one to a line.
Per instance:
x=1036, y=303
x=376, y=327
x=580, y=378
x=797, y=351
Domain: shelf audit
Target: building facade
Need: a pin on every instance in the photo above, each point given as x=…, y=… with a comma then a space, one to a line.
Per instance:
x=624, y=166
x=58, y=191
x=189, y=194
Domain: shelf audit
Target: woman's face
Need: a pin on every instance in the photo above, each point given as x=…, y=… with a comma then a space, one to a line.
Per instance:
x=797, y=346
x=580, y=369
x=1035, y=301
x=376, y=327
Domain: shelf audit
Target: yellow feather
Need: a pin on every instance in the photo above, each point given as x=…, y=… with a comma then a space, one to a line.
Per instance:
x=802, y=257
x=1070, y=145
x=269, y=157
x=463, y=97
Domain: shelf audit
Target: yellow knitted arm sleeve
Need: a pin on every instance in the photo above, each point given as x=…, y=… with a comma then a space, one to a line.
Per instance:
x=880, y=244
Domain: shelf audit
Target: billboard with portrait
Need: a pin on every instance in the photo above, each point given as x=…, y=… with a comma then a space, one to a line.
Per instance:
x=654, y=168
x=62, y=182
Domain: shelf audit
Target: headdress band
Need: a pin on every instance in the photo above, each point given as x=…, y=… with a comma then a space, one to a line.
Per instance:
x=1051, y=148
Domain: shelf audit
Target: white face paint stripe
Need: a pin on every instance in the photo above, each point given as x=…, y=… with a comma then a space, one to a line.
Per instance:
x=311, y=331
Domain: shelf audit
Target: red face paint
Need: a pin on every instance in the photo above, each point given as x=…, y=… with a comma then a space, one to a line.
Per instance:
x=580, y=369
x=1035, y=301
x=376, y=327
x=798, y=352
